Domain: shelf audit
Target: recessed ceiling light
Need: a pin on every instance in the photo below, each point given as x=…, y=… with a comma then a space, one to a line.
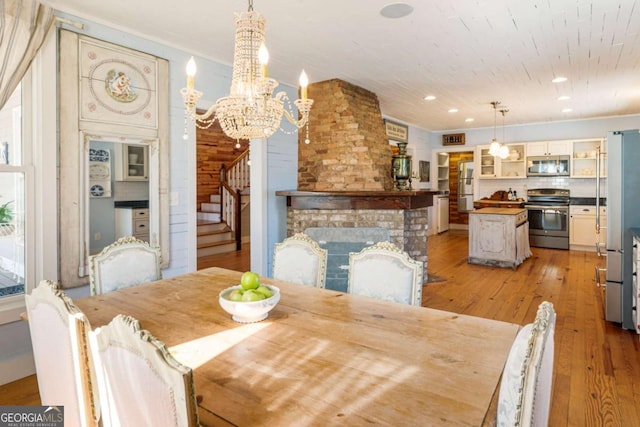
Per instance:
x=429, y=97
x=396, y=10
x=453, y=110
x=469, y=119
x=559, y=79
x=563, y=98
x=567, y=110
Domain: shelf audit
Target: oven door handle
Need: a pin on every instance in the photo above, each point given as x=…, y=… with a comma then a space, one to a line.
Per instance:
x=548, y=207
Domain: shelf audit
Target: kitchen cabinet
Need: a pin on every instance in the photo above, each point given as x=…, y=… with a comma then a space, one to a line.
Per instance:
x=498, y=237
x=131, y=162
x=582, y=227
x=514, y=166
x=488, y=163
x=132, y=222
x=443, y=171
x=549, y=148
x=583, y=158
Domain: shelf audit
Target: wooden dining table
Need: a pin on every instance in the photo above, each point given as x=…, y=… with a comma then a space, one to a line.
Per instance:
x=321, y=357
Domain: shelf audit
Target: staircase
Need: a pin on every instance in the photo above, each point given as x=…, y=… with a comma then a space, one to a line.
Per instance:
x=219, y=222
x=214, y=236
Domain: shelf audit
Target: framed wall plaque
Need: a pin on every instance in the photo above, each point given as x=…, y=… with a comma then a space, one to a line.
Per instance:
x=425, y=168
x=396, y=131
x=453, y=139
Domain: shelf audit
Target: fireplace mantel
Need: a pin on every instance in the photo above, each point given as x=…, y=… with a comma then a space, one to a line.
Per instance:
x=404, y=200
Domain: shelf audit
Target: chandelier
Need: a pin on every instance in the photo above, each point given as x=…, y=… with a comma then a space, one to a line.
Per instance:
x=496, y=149
x=250, y=111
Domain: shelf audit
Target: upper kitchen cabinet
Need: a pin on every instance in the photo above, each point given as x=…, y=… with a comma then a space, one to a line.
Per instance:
x=584, y=159
x=488, y=164
x=513, y=166
x=549, y=148
x=131, y=162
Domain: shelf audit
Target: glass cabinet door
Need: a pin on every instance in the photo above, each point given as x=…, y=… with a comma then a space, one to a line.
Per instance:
x=488, y=164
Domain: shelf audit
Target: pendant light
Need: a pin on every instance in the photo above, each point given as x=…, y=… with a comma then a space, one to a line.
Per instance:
x=494, y=148
x=504, y=151
x=497, y=149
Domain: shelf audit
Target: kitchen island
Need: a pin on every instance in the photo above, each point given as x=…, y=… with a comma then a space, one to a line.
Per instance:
x=498, y=237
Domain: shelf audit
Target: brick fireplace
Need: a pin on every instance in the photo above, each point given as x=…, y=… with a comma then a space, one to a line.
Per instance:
x=344, y=174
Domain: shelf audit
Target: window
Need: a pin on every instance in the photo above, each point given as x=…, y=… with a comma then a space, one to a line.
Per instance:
x=12, y=198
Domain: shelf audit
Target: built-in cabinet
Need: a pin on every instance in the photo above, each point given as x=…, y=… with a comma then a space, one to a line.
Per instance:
x=443, y=171
x=513, y=166
x=549, y=148
x=132, y=222
x=131, y=162
x=582, y=227
x=583, y=158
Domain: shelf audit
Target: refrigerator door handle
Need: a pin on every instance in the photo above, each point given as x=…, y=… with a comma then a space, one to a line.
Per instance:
x=599, y=250
x=598, y=271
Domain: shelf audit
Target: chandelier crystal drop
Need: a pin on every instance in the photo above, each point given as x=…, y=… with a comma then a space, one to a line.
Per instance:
x=250, y=111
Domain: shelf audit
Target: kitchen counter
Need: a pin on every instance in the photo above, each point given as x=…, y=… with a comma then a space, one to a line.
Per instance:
x=131, y=204
x=520, y=213
x=488, y=203
x=498, y=237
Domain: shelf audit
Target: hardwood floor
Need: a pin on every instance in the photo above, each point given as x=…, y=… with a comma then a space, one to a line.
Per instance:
x=237, y=260
x=597, y=364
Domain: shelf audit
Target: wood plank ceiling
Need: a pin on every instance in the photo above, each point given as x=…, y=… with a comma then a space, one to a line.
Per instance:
x=465, y=52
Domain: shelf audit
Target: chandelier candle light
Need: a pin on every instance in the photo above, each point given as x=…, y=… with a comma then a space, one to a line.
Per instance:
x=249, y=111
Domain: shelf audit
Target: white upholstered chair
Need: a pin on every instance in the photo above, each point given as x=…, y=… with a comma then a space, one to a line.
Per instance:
x=126, y=262
x=64, y=366
x=299, y=259
x=386, y=272
x=525, y=391
x=141, y=384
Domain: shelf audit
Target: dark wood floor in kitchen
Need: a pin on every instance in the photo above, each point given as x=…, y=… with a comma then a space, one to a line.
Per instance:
x=597, y=364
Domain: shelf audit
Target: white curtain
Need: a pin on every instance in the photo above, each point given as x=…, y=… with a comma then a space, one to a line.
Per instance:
x=24, y=25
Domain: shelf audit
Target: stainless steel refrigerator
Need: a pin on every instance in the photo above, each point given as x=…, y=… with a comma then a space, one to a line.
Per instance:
x=465, y=186
x=623, y=212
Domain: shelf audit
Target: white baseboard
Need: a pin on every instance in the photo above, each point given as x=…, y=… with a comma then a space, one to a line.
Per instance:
x=14, y=369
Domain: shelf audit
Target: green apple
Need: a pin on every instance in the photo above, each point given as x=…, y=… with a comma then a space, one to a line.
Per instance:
x=235, y=295
x=264, y=291
x=252, y=295
x=250, y=280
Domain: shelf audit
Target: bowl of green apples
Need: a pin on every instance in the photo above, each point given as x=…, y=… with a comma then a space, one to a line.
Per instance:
x=250, y=301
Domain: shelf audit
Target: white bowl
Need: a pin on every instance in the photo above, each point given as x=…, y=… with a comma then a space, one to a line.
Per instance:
x=249, y=311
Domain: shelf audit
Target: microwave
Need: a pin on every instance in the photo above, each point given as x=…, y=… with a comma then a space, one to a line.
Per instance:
x=548, y=165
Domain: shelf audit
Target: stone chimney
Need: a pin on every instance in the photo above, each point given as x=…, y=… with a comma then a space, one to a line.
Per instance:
x=349, y=148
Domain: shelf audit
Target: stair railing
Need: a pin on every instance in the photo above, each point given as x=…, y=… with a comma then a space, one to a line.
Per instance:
x=233, y=180
x=238, y=174
x=230, y=211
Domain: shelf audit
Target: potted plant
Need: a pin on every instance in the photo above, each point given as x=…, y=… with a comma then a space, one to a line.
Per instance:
x=6, y=216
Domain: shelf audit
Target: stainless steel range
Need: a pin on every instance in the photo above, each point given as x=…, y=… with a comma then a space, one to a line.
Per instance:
x=548, y=211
